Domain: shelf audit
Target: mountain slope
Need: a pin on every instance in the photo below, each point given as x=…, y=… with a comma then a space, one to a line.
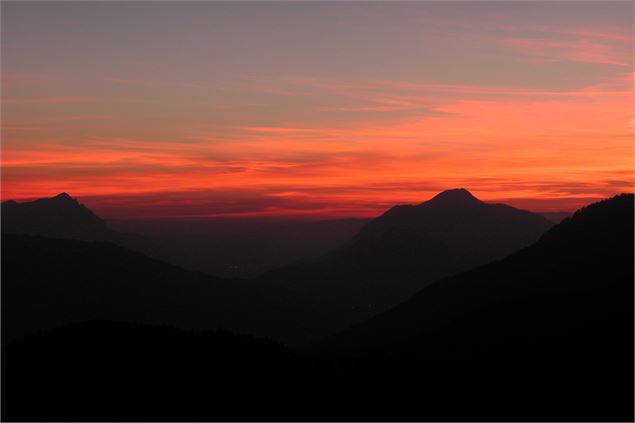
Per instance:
x=48, y=282
x=546, y=334
x=59, y=217
x=588, y=256
x=64, y=217
x=242, y=248
x=397, y=254
x=478, y=231
x=143, y=373
x=295, y=304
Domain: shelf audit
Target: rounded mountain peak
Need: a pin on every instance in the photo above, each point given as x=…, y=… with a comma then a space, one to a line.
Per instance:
x=455, y=196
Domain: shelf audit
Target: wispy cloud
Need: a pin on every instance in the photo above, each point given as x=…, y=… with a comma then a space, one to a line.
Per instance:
x=390, y=105
x=147, y=82
x=578, y=50
x=70, y=100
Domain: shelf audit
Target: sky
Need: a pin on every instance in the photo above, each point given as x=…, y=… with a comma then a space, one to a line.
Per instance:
x=189, y=110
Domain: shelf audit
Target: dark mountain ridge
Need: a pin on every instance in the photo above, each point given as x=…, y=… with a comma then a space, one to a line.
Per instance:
x=220, y=247
x=398, y=253
x=479, y=232
x=58, y=217
x=64, y=217
x=545, y=334
x=48, y=282
x=296, y=304
x=589, y=254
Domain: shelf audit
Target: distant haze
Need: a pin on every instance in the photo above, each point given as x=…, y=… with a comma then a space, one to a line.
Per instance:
x=233, y=248
x=315, y=110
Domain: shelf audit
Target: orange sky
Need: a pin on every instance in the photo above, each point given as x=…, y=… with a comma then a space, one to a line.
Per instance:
x=316, y=111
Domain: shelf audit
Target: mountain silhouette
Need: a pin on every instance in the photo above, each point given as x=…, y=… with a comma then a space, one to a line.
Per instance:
x=545, y=334
x=64, y=217
x=479, y=232
x=544, y=330
x=48, y=282
x=220, y=247
x=59, y=217
x=397, y=254
x=589, y=254
x=456, y=196
x=295, y=304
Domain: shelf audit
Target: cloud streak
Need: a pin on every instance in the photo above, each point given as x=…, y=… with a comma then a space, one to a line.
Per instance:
x=385, y=104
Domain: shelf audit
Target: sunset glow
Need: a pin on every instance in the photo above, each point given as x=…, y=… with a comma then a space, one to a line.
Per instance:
x=315, y=110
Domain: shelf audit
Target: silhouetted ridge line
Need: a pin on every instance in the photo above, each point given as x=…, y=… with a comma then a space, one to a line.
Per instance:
x=63, y=196
x=397, y=254
x=545, y=334
x=61, y=216
x=587, y=258
x=65, y=217
x=454, y=197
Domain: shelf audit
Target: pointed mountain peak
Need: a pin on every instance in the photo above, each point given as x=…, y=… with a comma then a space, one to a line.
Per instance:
x=64, y=197
x=61, y=201
x=61, y=216
x=455, y=196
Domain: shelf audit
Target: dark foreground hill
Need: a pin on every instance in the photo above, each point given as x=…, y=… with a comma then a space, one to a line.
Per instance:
x=117, y=371
x=543, y=335
x=48, y=282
